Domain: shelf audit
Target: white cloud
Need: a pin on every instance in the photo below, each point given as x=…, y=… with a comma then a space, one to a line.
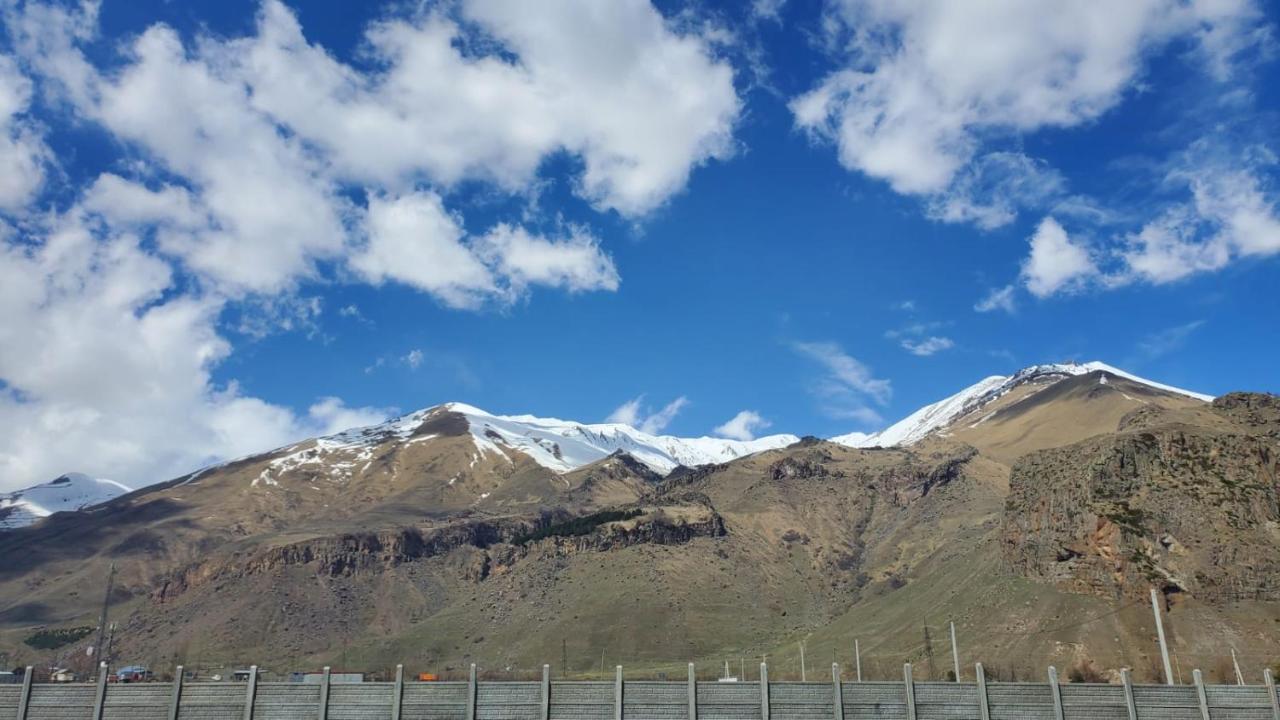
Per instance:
x=639, y=104
x=1158, y=344
x=107, y=369
x=848, y=384
x=928, y=346
x=1231, y=215
x=574, y=263
x=926, y=86
x=413, y=359
x=1055, y=264
x=634, y=413
x=23, y=153
x=992, y=188
x=1000, y=298
x=743, y=426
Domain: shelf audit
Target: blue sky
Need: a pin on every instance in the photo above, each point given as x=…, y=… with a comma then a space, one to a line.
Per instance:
x=228, y=225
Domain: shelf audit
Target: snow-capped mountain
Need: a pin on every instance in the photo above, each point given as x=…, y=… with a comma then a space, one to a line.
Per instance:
x=559, y=445
x=930, y=418
x=73, y=491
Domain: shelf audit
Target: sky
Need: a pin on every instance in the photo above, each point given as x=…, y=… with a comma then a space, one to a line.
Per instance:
x=225, y=226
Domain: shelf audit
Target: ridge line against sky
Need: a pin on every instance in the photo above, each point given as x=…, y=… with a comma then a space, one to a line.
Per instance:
x=227, y=226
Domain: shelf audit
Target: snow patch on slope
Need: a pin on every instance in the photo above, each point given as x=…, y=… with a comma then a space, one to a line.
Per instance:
x=934, y=417
x=73, y=491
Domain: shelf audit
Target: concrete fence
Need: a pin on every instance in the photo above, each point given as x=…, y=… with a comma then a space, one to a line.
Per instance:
x=637, y=700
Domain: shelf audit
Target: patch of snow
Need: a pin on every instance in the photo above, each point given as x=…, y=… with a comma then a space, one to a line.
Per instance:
x=933, y=418
x=70, y=492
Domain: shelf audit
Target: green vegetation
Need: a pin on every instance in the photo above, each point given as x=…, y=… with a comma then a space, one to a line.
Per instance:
x=577, y=526
x=52, y=638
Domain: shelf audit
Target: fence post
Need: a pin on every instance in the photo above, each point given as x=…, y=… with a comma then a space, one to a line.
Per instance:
x=100, y=696
x=1127, y=680
x=546, y=692
x=693, y=694
x=837, y=699
x=984, y=703
x=617, y=694
x=471, y=694
x=857, y=658
x=249, y=694
x=397, y=697
x=764, y=691
x=1267, y=678
x=24, y=699
x=909, y=686
x=1198, y=680
x=324, y=694
x=176, y=699
x=1056, y=691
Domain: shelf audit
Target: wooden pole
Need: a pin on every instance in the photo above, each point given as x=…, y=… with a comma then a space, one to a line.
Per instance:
x=1198, y=680
x=1236, y=664
x=955, y=653
x=984, y=702
x=1130, y=704
x=175, y=699
x=1164, y=648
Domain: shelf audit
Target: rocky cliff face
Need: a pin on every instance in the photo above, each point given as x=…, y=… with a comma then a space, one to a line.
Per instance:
x=1188, y=509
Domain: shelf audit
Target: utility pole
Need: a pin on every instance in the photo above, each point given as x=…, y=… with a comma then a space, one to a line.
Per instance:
x=564, y=657
x=1164, y=648
x=857, y=658
x=1236, y=664
x=955, y=653
x=802, y=671
x=102, y=619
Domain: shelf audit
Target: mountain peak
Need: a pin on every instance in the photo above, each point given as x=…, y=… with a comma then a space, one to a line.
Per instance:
x=72, y=491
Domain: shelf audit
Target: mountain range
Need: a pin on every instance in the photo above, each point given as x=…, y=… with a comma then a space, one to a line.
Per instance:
x=1033, y=510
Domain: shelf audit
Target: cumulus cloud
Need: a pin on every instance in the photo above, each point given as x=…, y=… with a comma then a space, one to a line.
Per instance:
x=258, y=164
x=1056, y=263
x=107, y=368
x=636, y=414
x=925, y=87
x=743, y=426
x=847, y=386
x=22, y=151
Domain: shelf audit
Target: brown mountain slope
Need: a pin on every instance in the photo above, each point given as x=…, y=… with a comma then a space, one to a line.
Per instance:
x=420, y=549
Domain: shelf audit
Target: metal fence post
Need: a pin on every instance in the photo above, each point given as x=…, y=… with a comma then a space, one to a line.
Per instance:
x=693, y=694
x=249, y=694
x=1267, y=679
x=24, y=699
x=1127, y=680
x=1198, y=680
x=837, y=698
x=546, y=692
x=397, y=693
x=471, y=694
x=324, y=694
x=764, y=691
x=984, y=702
x=1056, y=691
x=100, y=696
x=910, y=689
x=176, y=699
x=617, y=694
